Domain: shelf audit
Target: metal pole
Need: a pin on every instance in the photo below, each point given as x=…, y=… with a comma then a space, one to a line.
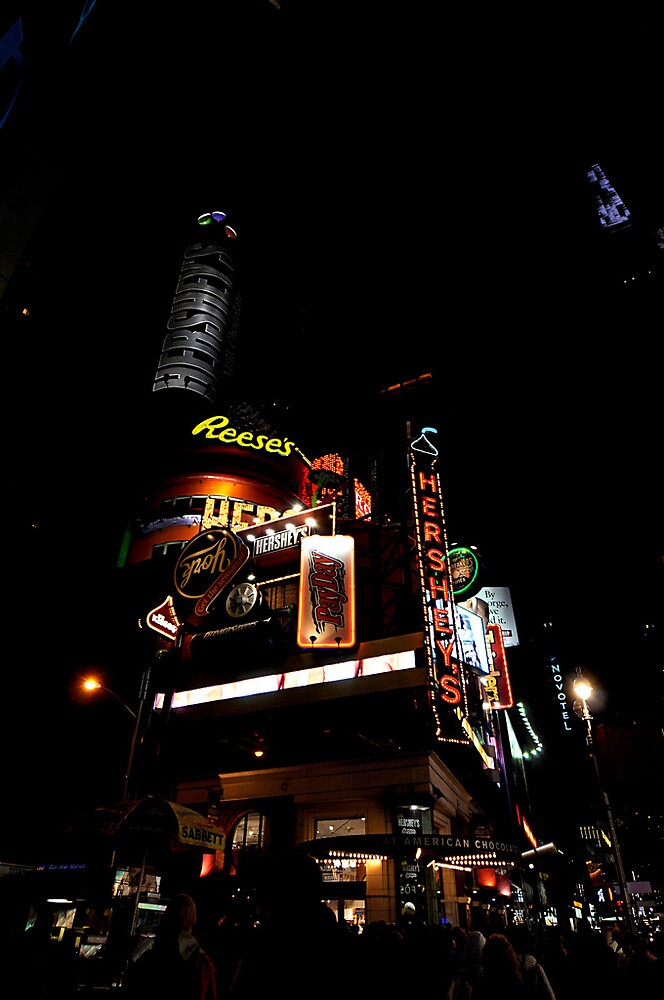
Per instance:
x=134, y=736
x=620, y=871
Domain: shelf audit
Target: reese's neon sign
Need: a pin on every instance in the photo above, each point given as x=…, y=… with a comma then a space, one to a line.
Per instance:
x=219, y=429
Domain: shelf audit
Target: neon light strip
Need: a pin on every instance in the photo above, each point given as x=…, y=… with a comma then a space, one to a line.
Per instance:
x=328, y=674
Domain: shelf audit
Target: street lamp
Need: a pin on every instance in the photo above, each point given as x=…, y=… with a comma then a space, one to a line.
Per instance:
x=92, y=684
x=583, y=690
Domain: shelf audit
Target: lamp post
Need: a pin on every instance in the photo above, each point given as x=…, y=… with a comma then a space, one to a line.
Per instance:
x=92, y=684
x=583, y=690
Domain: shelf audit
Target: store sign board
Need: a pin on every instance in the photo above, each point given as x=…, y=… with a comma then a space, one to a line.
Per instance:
x=206, y=566
x=497, y=687
x=219, y=429
x=464, y=572
x=473, y=649
x=283, y=535
x=501, y=612
x=326, y=606
x=432, y=551
x=164, y=620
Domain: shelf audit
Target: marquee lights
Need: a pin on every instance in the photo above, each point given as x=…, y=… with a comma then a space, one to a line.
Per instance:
x=358, y=856
x=478, y=861
x=445, y=864
x=440, y=637
x=334, y=463
x=538, y=748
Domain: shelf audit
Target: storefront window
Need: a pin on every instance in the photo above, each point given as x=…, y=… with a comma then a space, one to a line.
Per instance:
x=340, y=827
x=249, y=832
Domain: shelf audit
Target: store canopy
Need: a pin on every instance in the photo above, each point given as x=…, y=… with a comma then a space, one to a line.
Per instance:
x=150, y=822
x=475, y=851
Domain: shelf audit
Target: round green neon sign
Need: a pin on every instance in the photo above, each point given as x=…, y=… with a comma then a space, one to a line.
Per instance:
x=464, y=567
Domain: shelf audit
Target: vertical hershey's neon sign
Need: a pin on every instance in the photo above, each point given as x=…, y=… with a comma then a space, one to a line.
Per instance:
x=436, y=588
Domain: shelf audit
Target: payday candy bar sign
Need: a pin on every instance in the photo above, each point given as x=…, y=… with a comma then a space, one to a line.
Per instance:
x=326, y=608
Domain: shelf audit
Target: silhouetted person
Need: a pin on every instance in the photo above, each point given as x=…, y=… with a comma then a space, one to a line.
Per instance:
x=459, y=940
x=380, y=967
x=594, y=966
x=175, y=964
x=641, y=971
x=501, y=974
x=535, y=979
x=297, y=948
x=470, y=967
x=222, y=930
x=420, y=943
x=554, y=956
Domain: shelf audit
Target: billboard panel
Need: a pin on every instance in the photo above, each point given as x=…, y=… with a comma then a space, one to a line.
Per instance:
x=501, y=612
x=326, y=607
x=473, y=650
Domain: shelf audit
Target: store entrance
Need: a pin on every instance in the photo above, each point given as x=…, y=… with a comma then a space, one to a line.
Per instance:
x=348, y=911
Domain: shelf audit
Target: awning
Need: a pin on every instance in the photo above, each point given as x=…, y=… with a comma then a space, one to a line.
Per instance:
x=473, y=851
x=149, y=822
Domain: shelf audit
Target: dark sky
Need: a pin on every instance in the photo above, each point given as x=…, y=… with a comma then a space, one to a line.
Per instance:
x=411, y=193
x=411, y=197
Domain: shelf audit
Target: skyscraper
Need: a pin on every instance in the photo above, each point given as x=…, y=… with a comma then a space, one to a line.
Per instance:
x=198, y=351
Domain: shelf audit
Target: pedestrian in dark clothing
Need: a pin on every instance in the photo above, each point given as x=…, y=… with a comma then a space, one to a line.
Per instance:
x=222, y=930
x=501, y=974
x=642, y=972
x=175, y=964
x=296, y=938
x=470, y=967
x=533, y=973
x=593, y=965
x=459, y=938
x=554, y=956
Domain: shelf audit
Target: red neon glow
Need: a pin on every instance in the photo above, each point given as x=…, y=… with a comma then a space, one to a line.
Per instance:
x=434, y=574
x=528, y=832
x=497, y=686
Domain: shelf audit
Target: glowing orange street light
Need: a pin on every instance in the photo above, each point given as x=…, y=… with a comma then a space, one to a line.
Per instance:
x=92, y=684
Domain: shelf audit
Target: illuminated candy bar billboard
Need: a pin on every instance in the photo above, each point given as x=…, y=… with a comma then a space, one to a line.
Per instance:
x=326, y=607
x=497, y=686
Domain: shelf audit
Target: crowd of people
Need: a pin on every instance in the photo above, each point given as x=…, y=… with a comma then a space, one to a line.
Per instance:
x=298, y=947
x=205, y=948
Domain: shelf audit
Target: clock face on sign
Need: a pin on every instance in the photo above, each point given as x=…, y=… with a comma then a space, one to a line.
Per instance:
x=241, y=600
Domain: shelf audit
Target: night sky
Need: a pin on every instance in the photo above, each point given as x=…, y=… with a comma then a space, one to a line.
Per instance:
x=411, y=197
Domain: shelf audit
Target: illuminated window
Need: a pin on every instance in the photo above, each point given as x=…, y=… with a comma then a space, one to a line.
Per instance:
x=353, y=827
x=249, y=833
